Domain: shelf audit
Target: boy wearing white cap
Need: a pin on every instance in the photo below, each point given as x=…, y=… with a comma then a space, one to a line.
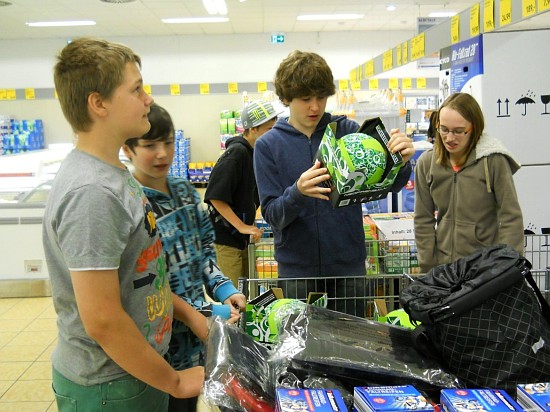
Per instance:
x=232, y=195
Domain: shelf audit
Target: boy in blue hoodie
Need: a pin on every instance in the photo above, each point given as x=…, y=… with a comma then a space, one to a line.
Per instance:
x=312, y=239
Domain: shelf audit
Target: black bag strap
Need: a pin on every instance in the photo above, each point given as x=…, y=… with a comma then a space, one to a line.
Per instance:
x=544, y=306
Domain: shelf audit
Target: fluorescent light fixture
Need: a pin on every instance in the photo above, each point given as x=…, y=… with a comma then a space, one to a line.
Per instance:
x=320, y=17
x=442, y=14
x=215, y=6
x=191, y=20
x=65, y=23
x=391, y=7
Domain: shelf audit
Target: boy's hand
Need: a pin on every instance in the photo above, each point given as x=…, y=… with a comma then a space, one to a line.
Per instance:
x=309, y=181
x=190, y=384
x=238, y=301
x=399, y=142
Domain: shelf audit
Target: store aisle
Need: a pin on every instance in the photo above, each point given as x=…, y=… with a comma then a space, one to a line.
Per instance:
x=27, y=338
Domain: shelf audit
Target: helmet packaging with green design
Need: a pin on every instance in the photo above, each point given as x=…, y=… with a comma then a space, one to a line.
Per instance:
x=361, y=167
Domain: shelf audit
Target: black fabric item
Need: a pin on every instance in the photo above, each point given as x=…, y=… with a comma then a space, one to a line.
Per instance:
x=496, y=342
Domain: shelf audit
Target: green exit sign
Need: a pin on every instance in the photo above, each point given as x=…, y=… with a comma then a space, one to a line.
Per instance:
x=277, y=38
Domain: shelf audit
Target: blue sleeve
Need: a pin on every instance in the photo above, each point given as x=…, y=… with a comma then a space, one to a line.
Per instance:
x=280, y=204
x=216, y=283
x=402, y=177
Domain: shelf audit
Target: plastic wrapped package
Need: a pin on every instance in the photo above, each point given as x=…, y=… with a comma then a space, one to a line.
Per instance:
x=355, y=352
x=316, y=347
x=238, y=375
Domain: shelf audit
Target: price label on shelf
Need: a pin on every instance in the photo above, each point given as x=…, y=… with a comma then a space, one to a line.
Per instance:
x=455, y=29
x=204, y=88
x=30, y=94
x=488, y=15
x=474, y=20
x=505, y=12
x=262, y=87
x=175, y=90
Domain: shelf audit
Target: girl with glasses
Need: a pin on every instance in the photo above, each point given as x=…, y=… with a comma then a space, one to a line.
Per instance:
x=465, y=196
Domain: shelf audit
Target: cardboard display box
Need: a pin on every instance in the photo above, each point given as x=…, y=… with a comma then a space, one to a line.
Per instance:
x=347, y=180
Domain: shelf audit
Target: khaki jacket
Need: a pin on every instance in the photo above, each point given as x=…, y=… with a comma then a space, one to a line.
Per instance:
x=474, y=207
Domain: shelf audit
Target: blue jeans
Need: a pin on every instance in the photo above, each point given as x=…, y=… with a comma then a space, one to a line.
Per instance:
x=125, y=394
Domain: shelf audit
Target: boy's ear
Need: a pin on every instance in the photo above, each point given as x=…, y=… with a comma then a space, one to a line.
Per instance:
x=127, y=151
x=95, y=104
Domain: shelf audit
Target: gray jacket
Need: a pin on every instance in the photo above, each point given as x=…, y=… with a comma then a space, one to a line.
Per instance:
x=459, y=212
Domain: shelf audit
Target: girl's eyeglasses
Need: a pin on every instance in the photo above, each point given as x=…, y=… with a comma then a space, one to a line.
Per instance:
x=443, y=131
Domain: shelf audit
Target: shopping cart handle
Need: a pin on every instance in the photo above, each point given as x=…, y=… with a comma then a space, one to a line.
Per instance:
x=442, y=313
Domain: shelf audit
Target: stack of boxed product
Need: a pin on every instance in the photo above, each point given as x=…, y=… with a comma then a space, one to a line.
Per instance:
x=389, y=399
x=228, y=126
x=396, y=236
x=266, y=265
x=407, y=397
x=20, y=136
x=487, y=400
x=309, y=400
x=534, y=397
x=182, y=155
x=199, y=173
x=371, y=243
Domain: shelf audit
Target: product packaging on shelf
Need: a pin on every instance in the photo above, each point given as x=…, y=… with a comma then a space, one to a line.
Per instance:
x=487, y=400
x=389, y=399
x=348, y=176
x=310, y=400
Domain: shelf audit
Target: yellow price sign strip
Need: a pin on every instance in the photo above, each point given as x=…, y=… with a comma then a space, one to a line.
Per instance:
x=387, y=60
x=488, y=15
x=30, y=94
x=369, y=69
x=505, y=12
x=405, y=52
x=147, y=89
x=421, y=83
x=343, y=85
x=175, y=90
x=418, y=47
x=204, y=88
x=407, y=83
x=11, y=94
x=373, y=84
x=528, y=8
x=233, y=88
x=544, y=5
x=474, y=20
x=262, y=87
x=393, y=83
x=455, y=29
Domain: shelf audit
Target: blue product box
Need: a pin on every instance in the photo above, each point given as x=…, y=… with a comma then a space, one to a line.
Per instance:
x=534, y=397
x=477, y=400
x=308, y=400
x=389, y=398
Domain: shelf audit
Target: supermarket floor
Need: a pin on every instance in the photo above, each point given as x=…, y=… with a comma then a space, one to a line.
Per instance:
x=27, y=338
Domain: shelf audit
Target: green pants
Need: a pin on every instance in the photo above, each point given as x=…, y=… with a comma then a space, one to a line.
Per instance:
x=126, y=394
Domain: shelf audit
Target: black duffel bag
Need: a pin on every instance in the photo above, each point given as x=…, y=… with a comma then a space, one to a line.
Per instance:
x=484, y=317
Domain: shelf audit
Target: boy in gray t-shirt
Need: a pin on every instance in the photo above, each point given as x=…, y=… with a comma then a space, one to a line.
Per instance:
x=109, y=283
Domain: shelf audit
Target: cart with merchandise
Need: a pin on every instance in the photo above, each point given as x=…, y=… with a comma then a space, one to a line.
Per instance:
x=391, y=265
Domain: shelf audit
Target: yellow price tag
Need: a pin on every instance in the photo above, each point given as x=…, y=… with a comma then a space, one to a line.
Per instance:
x=369, y=69
x=262, y=87
x=399, y=51
x=505, y=12
x=407, y=83
x=175, y=90
x=30, y=94
x=11, y=94
x=373, y=84
x=204, y=88
x=233, y=88
x=528, y=8
x=544, y=5
x=405, y=52
x=455, y=29
x=355, y=86
x=474, y=20
x=488, y=15
x=387, y=60
x=393, y=83
x=421, y=83
x=147, y=89
x=417, y=47
x=343, y=85
x=3, y=94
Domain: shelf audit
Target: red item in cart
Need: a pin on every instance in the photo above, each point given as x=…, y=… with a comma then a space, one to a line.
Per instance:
x=246, y=397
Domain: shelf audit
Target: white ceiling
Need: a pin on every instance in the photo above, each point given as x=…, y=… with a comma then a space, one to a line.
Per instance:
x=143, y=17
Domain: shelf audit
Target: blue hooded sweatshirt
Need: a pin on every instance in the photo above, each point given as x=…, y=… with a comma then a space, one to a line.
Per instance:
x=311, y=238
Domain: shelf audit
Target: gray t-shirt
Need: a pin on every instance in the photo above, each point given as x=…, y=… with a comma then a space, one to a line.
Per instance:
x=97, y=218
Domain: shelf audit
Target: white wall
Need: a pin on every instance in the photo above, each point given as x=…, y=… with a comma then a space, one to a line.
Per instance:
x=187, y=60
